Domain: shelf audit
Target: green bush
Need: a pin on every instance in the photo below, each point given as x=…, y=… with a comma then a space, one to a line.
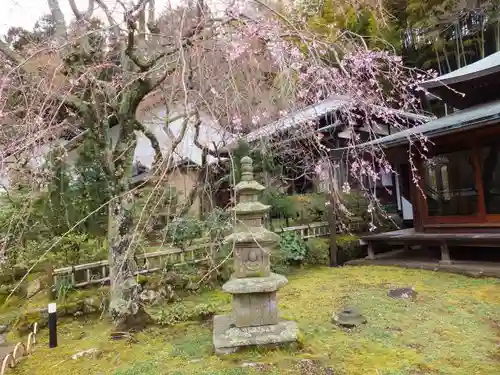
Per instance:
x=305, y=208
x=69, y=250
x=318, y=251
x=179, y=312
x=281, y=204
x=310, y=207
x=348, y=248
x=293, y=249
x=217, y=224
x=183, y=230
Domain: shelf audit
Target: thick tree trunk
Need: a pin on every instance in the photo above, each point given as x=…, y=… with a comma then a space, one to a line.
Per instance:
x=124, y=307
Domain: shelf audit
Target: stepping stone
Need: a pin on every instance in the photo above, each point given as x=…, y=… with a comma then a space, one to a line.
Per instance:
x=402, y=293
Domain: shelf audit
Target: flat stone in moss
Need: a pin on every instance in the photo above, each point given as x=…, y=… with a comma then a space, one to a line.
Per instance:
x=348, y=317
x=402, y=293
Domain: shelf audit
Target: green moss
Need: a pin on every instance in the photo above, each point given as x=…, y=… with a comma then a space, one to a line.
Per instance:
x=448, y=329
x=142, y=280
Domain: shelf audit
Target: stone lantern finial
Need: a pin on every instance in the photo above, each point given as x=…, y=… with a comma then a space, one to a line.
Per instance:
x=254, y=320
x=246, y=169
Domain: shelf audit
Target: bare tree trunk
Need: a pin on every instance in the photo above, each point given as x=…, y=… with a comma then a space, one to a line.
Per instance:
x=439, y=62
x=457, y=45
x=332, y=224
x=481, y=39
x=445, y=51
x=124, y=307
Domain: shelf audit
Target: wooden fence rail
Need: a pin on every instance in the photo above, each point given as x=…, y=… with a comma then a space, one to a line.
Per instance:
x=309, y=230
x=98, y=272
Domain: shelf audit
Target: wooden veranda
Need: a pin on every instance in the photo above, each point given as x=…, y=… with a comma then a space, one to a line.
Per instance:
x=444, y=240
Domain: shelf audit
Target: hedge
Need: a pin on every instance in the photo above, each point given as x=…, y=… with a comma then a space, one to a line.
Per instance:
x=318, y=250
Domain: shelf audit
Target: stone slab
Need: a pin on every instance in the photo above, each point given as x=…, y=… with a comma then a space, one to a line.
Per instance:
x=228, y=339
x=255, y=284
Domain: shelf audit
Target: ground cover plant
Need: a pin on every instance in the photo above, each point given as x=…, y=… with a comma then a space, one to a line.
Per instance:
x=451, y=327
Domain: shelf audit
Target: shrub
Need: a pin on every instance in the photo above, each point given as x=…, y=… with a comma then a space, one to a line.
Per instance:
x=179, y=312
x=222, y=264
x=386, y=222
x=348, y=248
x=292, y=248
x=310, y=207
x=318, y=251
x=357, y=204
x=281, y=204
x=183, y=230
x=217, y=224
x=70, y=250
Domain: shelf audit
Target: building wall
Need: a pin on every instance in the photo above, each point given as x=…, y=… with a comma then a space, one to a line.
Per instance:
x=210, y=136
x=183, y=180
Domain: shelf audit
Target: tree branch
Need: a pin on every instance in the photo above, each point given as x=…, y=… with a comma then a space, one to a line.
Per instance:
x=152, y=139
x=78, y=14
x=197, y=143
x=151, y=23
x=112, y=23
x=131, y=49
x=61, y=33
x=10, y=54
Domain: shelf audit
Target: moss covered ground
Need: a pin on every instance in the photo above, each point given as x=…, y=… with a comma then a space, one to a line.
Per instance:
x=452, y=327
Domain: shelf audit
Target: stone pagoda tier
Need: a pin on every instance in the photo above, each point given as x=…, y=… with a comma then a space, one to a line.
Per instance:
x=254, y=320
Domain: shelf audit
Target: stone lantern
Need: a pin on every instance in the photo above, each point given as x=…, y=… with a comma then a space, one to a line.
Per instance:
x=254, y=320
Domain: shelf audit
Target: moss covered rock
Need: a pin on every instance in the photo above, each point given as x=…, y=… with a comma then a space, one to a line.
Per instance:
x=25, y=322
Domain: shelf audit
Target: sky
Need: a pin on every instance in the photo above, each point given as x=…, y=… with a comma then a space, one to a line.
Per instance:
x=25, y=13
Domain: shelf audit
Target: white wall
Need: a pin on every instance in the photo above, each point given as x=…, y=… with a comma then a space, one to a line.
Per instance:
x=210, y=133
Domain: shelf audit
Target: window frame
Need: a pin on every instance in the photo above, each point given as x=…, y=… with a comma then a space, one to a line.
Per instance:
x=435, y=219
x=481, y=216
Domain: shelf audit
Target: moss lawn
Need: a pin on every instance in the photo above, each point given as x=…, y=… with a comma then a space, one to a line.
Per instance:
x=452, y=328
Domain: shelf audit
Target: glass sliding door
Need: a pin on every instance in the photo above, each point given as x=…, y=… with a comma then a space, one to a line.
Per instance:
x=450, y=185
x=489, y=158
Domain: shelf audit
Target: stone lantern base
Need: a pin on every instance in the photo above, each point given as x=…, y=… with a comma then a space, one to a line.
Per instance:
x=254, y=320
x=228, y=338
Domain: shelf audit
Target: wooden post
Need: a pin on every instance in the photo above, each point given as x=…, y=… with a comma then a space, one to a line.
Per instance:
x=371, y=252
x=332, y=223
x=52, y=325
x=445, y=254
x=50, y=282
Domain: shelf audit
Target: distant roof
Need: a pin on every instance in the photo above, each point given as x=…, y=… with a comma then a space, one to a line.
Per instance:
x=314, y=112
x=478, y=116
x=483, y=67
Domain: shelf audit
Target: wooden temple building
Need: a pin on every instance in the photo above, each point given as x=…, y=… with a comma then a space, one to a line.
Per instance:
x=324, y=119
x=454, y=198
